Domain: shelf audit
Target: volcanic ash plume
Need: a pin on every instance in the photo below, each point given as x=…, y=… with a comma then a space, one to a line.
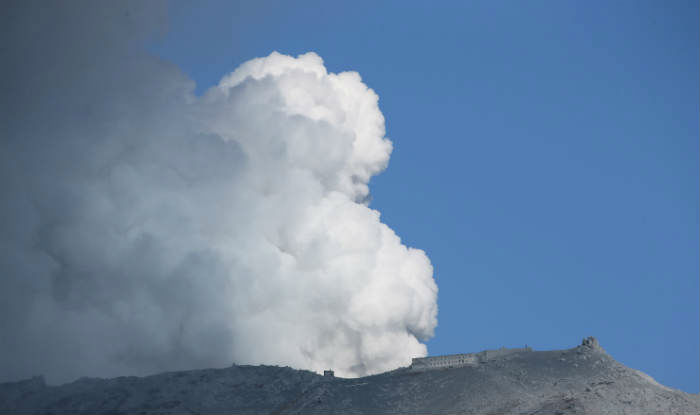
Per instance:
x=147, y=229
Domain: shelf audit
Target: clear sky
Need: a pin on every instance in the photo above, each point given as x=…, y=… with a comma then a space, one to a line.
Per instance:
x=545, y=156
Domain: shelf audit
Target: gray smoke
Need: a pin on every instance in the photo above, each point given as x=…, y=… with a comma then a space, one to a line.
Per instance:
x=146, y=229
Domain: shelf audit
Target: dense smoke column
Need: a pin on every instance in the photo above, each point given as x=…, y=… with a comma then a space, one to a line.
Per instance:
x=146, y=229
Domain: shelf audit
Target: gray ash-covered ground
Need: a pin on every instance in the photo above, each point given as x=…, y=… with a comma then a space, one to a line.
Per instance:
x=584, y=379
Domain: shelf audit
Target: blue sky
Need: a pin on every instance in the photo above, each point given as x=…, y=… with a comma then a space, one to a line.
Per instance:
x=545, y=157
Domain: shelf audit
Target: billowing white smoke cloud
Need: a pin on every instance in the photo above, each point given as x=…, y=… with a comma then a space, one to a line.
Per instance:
x=147, y=229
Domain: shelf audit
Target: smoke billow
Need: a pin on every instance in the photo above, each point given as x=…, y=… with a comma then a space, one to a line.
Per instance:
x=147, y=229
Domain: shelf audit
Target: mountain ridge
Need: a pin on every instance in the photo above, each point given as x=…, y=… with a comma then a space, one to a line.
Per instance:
x=583, y=379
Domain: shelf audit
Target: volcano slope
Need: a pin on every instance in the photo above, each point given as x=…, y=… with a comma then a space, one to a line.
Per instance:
x=584, y=379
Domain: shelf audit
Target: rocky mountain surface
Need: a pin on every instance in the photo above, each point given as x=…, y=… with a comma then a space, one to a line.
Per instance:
x=584, y=379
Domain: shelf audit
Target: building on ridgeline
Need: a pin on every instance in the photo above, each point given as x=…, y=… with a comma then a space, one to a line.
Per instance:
x=464, y=359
